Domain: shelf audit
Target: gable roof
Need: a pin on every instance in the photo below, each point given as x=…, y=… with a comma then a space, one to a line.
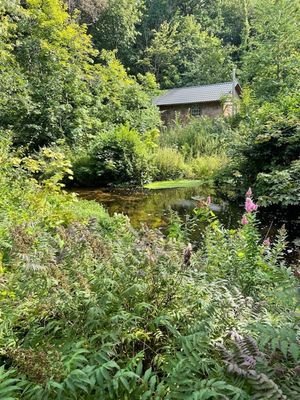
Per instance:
x=196, y=94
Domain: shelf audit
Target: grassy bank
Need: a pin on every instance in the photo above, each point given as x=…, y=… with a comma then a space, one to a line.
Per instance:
x=180, y=183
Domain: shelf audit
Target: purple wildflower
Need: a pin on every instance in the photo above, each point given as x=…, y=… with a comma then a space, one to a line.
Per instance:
x=250, y=206
x=208, y=201
x=267, y=242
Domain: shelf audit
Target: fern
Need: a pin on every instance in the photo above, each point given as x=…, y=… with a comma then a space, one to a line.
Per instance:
x=208, y=389
x=284, y=339
x=262, y=369
x=9, y=385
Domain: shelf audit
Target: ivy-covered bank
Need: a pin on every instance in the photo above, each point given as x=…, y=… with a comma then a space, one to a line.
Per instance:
x=92, y=309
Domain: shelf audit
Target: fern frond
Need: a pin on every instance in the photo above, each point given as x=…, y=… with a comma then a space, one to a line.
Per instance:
x=9, y=386
x=265, y=388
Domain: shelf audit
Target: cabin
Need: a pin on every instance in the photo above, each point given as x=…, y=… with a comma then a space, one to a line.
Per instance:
x=196, y=101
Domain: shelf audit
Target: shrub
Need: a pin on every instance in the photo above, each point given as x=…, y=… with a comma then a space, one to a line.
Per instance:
x=280, y=186
x=115, y=157
x=206, y=166
x=83, y=167
x=49, y=166
x=267, y=155
x=169, y=164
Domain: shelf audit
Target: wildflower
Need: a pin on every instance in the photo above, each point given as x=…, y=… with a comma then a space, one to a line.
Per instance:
x=267, y=242
x=208, y=201
x=250, y=206
x=249, y=192
x=244, y=220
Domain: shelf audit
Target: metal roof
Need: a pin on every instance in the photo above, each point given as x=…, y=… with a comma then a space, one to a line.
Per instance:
x=195, y=94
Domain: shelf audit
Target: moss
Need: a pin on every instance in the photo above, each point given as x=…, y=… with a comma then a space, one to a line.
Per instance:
x=180, y=183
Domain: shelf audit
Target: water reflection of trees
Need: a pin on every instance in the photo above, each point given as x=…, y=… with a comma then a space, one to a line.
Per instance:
x=152, y=207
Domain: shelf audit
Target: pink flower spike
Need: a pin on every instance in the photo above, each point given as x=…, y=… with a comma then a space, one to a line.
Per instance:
x=249, y=192
x=208, y=201
x=250, y=206
x=267, y=242
x=244, y=220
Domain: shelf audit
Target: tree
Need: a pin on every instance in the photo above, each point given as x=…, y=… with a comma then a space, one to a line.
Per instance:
x=181, y=53
x=121, y=99
x=52, y=56
x=90, y=9
x=14, y=99
x=225, y=19
x=116, y=27
x=51, y=87
x=272, y=64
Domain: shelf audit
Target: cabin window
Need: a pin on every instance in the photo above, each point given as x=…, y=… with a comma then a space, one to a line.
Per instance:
x=196, y=110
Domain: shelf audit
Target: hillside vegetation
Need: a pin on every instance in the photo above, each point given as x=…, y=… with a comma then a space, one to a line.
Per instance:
x=91, y=308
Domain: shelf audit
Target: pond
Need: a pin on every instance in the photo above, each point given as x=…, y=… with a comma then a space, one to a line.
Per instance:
x=152, y=207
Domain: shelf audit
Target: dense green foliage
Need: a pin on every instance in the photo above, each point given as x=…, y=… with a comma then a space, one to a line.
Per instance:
x=272, y=63
x=202, y=136
x=121, y=156
x=267, y=153
x=154, y=26
x=91, y=308
x=116, y=157
x=116, y=28
x=76, y=71
x=52, y=88
x=196, y=150
x=181, y=53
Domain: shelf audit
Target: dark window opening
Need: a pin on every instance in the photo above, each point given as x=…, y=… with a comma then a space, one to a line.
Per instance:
x=196, y=110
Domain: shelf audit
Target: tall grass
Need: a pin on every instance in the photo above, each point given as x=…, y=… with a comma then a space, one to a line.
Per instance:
x=202, y=136
x=206, y=166
x=193, y=151
x=169, y=163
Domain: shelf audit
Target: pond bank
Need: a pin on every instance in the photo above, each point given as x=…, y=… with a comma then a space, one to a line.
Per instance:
x=153, y=208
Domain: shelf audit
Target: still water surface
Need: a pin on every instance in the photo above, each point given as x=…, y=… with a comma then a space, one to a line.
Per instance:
x=152, y=207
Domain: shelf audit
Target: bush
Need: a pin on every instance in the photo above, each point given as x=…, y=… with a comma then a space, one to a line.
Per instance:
x=206, y=166
x=83, y=167
x=280, y=186
x=115, y=157
x=169, y=164
x=267, y=155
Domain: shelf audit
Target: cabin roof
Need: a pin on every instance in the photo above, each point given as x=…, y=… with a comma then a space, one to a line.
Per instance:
x=196, y=94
